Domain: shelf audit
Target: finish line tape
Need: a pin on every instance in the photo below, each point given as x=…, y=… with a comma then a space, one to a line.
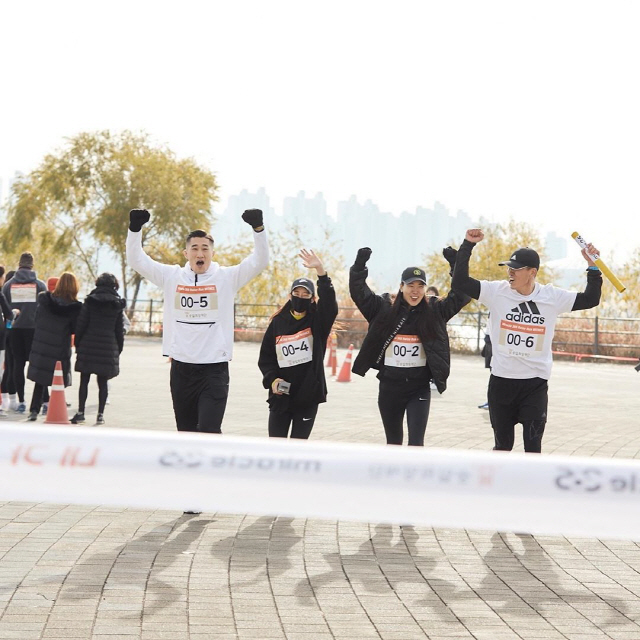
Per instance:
x=554, y=495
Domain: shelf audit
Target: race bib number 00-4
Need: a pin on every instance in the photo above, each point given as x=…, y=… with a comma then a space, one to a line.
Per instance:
x=196, y=305
x=405, y=351
x=295, y=349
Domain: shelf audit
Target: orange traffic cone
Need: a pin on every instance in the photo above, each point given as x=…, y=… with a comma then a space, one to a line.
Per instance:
x=345, y=372
x=57, y=412
x=334, y=353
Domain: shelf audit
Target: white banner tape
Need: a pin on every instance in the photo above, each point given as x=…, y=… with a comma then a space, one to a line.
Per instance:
x=555, y=495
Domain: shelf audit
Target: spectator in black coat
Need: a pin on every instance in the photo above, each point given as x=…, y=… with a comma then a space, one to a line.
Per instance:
x=99, y=341
x=55, y=323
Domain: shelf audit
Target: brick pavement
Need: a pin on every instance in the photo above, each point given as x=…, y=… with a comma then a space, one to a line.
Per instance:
x=95, y=572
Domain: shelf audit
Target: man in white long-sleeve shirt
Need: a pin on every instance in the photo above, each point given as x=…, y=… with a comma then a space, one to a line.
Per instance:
x=198, y=317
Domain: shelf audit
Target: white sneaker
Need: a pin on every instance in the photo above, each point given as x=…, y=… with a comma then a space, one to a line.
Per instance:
x=13, y=405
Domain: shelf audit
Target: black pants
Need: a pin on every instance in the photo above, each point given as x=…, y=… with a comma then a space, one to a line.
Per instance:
x=512, y=401
x=21, y=341
x=8, y=383
x=83, y=392
x=40, y=395
x=300, y=420
x=397, y=397
x=199, y=393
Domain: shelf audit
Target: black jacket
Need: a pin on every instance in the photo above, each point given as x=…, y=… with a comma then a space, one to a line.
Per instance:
x=100, y=333
x=55, y=321
x=7, y=314
x=371, y=306
x=308, y=382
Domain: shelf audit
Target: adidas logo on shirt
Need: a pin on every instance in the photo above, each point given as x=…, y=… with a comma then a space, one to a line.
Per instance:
x=526, y=312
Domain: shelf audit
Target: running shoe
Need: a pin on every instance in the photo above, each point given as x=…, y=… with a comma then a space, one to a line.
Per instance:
x=78, y=418
x=45, y=408
x=22, y=407
x=483, y=406
x=100, y=418
x=191, y=513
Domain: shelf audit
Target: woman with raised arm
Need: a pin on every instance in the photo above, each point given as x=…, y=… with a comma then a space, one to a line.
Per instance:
x=292, y=353
x=407, y=342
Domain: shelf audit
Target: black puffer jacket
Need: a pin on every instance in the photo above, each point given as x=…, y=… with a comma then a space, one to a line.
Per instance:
x=308, y=382
x=55, y=321
x=100, y=333
x=371, y=305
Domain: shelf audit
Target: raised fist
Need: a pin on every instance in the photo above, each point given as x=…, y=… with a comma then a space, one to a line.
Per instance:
x=363, y=255
x=138, y=218
x=474, y=235
x=253, y=217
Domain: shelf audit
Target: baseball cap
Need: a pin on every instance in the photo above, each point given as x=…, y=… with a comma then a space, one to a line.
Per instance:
x=306, y=283
x=523, y=257
x=411, y=274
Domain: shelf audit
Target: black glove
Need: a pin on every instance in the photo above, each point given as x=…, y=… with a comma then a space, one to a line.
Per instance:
x=361, y=259
x=138, y=218
x=450, y=255
x=253, y=217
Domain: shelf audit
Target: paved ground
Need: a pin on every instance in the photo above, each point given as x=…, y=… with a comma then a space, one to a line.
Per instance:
x=105, y=573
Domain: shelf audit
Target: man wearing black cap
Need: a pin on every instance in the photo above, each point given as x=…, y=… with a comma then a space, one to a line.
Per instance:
x=523, y=317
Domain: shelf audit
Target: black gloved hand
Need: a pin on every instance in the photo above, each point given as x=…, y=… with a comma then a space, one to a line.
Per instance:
x=450, y=255
x=361, y=259
x=138, y=218
x=253, y=217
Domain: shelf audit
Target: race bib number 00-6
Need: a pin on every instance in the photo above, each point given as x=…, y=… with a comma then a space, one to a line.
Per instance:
x=295, y=349
x=405, y=351
x=517, y=339
x=24, y=292
x=196, y=305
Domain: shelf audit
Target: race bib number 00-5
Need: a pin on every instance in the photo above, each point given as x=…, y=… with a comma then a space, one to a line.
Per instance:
x=405, y=351
x=196, y=305
x=517, y=339
x=295, y=349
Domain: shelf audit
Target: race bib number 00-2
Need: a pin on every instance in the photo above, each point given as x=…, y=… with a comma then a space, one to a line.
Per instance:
x=295, y=349
x=518, y=339
x=405, y=351
x=196, y=305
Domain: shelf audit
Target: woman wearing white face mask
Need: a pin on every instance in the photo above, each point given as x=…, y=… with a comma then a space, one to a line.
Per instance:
x=292, y=353
x=407, y=343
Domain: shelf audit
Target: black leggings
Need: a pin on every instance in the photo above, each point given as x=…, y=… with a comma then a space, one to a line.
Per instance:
x=397, y=397
x=300, y=420
x=103, y=392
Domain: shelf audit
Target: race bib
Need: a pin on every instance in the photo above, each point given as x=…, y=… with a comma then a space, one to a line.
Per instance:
x=405, y=351
x=295, y=349
x=517, y=339
x=196, y=305
x=24, y=292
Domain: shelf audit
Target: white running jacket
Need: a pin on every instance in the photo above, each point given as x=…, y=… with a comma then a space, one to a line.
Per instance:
x=198, y=308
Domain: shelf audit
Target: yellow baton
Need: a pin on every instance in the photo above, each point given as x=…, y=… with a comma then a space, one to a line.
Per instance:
x=598, y=262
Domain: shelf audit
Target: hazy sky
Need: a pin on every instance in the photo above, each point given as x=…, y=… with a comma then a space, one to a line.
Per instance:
x=500, y=108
